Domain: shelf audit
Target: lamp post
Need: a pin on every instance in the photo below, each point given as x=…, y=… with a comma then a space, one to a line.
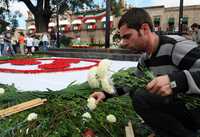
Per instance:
x=57, y=20
x=107, y=35
x=58, y=31
x=180, y=23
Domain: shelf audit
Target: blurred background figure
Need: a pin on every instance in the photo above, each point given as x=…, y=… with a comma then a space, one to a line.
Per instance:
x=8, y=48
x=45, y=41
x=36, y=42
x=21, y=41
x=29, y=44
x=1, y=45
x=196, y=33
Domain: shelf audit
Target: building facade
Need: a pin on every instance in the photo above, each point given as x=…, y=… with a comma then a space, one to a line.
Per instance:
x=89, y=26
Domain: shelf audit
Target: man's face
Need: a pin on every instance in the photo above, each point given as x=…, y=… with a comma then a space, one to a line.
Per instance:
x=131, y=39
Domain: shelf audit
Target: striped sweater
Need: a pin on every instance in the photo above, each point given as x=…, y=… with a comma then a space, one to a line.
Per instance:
x=177, y=57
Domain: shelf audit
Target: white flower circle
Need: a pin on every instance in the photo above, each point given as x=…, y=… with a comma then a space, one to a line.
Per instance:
x=86, y=116
x=91, y=103
x=107, y=85
x=103, y=68
x=111, y=118
x=32, y=116
x=92, y=78
x=2, y=91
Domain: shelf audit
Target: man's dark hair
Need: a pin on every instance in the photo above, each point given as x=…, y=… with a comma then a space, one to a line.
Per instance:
x=134, y=18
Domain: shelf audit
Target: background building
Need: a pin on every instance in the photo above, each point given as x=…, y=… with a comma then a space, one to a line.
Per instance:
x=89, y=26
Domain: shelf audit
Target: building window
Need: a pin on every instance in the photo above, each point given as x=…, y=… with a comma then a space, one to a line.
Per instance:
x=156, y=21
x=76, y=27
x=89, y=26
x=185, y=20
x=171, y=21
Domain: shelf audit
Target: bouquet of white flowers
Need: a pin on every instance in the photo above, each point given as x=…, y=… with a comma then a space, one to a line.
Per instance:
x=99, y=77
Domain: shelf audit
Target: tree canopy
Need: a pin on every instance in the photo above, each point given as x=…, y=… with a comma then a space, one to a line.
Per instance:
x=43, y=10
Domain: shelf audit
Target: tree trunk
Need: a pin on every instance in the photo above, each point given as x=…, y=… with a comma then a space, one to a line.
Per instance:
x=41, y=22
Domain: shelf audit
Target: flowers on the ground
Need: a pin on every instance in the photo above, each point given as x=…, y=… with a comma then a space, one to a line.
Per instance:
x=86, y=116
x=88, y=133
x=2, y=91
x=57, y=65
x=99, y=77
x=103, y=67
x=32, y=116
x=28, y=61
x=92, y=81
x=91, y=103
x=111, y=118
x=27, y=130
x=107, y=85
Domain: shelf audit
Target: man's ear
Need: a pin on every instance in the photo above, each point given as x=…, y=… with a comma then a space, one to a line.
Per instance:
x=145, y=28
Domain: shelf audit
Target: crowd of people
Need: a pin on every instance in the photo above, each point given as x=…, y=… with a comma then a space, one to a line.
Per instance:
x=24, y=44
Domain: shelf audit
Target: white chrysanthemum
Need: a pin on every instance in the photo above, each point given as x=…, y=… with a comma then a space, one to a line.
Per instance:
x=27, y=130
x=92, y=78
x=91, y=103
x=86, y=116
x=32, y=116
x=2, y=91
x=103, y=68
x=107, y=85
x=111, y=118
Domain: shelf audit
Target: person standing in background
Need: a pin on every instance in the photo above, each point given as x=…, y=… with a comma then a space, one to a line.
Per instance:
x=21, y=41
x=29, y=44
x=1, y=45
x=45, y=41
x=7, y=42
x=196, y=33
x=36, y=42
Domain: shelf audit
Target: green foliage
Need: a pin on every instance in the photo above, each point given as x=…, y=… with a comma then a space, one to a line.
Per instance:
x=127, y=78
x=61, y=115
x=65, y=41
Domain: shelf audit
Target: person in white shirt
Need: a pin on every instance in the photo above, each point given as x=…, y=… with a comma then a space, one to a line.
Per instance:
x=45, y=41
x=29, y=44
x=36, y=42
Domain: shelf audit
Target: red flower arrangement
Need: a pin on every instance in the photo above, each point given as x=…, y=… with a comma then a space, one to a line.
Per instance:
x=58, y=65
x=54, y=65
x=88, y=133
x=31, y=61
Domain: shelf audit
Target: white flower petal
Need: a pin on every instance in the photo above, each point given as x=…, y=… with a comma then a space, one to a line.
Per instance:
x=92, y=78
x=107, y=85
x=32, y=116
x=2, y=91
x=111, y=118
x=103, y=68
x=91, y=103
x=86, y=115
x=27, y=131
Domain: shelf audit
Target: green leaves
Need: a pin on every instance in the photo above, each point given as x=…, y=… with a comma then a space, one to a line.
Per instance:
x=62, y=114
x=127, y=78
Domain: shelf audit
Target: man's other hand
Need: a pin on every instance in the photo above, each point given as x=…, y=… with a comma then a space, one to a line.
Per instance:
x=160, y=85
x=98, y=95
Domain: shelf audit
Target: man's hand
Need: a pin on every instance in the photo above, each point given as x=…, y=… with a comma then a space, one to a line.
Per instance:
x=98, y=95
x=160, y=85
